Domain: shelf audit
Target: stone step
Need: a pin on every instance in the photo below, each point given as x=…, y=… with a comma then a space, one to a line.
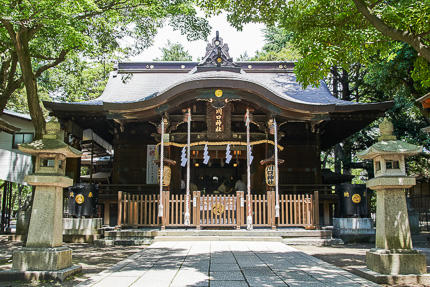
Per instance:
x=285, y=233
x=313, y=241
x=218, y=238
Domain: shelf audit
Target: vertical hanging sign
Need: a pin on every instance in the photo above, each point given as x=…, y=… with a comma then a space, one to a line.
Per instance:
x=151, y=166
x=218, y=121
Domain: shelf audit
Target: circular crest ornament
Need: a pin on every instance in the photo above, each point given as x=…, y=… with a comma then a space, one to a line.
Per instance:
x=218, y=93
x=218, y=209
x=79, y=199
x=356, y=198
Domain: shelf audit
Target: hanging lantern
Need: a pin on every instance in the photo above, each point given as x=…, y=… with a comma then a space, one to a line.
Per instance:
x=166, y=175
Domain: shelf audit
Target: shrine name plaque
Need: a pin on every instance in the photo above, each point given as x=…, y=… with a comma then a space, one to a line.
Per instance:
x=218, y=120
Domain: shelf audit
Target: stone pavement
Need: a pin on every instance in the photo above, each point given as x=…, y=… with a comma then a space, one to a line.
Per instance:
x=223, y=263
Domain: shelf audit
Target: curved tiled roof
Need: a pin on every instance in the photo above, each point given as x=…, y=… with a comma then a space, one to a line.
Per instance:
x=139, y=86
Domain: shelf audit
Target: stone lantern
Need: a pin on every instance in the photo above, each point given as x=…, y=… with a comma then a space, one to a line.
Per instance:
x=393, y=254
x=43, y=250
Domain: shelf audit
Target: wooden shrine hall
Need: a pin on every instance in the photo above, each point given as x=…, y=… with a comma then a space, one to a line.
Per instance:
x=238, y=143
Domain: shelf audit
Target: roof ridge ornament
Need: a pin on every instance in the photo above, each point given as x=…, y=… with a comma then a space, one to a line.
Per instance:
x=217, y=57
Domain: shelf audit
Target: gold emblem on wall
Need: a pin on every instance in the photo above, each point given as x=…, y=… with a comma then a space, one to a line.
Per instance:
x=79, y=199
x=218, y=208
x=218, y=93
x=356, y=198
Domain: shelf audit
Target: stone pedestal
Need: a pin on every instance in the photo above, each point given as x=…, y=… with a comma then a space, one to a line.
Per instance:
x=43, y=255
x=396, y=262
x=393, y=253
x=43, y=251
x=37, y=259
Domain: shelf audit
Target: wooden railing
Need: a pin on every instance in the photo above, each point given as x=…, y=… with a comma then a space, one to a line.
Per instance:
x=136, y=210
x=295, y=210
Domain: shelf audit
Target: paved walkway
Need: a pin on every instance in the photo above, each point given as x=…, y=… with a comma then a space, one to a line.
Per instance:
x=223, y=263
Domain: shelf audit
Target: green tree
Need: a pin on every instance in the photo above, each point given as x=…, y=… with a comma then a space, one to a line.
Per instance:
x=277, y=47
x=174, y=52
x=340, y=33
x=44, y=33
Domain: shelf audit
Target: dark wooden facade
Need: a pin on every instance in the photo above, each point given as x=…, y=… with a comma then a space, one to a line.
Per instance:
x=138, y=95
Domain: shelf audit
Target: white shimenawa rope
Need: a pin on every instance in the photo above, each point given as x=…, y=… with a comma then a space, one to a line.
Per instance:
x=160, y=205
x=248, y=163
x=187, y=197
x=276, y=169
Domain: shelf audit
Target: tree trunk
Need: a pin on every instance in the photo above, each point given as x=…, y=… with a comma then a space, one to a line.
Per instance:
x=8, y=83
x=29, y=78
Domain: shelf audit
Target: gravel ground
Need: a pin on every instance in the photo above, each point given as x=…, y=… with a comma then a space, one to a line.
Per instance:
x=93, y=260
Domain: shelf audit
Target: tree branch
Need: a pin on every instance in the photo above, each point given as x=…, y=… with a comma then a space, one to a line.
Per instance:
x=9, y=29
x=395, y=34
x=61, y=57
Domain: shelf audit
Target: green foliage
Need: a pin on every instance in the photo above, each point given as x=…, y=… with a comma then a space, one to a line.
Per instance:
x=278, y=46
x=287, y=53
x=174, y=52
x=75, y=80
x=87, y=36
x=330, y=33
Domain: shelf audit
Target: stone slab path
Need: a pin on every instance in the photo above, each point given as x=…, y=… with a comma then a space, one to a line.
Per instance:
x=223, y=263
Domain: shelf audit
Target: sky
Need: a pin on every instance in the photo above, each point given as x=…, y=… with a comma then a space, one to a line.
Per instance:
x=250, y=39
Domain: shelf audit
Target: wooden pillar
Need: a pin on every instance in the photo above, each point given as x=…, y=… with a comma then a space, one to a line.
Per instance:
x=119, y=208
x=196, y=206
x=106, y=213
x=316, y=210
x=326, y=207
x=240, y=208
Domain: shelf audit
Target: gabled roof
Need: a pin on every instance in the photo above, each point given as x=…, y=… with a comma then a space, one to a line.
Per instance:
x=147, y=86
x=17, y=115
x=134, y=86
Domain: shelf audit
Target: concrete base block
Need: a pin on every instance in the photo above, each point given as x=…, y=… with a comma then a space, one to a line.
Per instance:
x=60, y=275
x=42, y=259
x=403, y=280
x=354, y=229
x=81, y=226
x=396, y=262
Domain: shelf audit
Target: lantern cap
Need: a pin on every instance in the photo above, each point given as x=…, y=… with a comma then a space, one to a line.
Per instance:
x=51, y=142
x=388, y=145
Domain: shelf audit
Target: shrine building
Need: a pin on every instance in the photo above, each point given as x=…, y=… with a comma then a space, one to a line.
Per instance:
x=239, y=143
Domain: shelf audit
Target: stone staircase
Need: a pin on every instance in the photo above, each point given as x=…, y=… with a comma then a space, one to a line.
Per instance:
x=291, y=236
